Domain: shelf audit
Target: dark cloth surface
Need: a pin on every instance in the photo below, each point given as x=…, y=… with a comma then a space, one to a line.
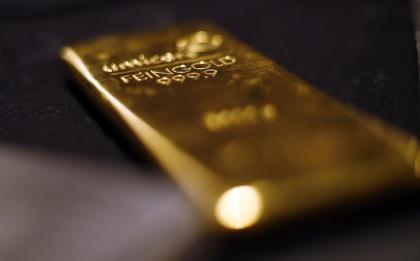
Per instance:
x=361, y=52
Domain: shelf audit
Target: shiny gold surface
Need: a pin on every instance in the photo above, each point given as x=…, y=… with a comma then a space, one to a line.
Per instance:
x=248, y=141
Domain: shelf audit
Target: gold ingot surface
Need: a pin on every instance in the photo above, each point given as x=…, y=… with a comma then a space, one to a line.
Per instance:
x=247, y=140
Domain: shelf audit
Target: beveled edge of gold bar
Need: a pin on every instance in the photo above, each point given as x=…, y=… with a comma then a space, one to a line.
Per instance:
x=152, y=139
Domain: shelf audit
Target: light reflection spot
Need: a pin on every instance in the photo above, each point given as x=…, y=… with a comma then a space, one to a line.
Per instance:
x=239, y=207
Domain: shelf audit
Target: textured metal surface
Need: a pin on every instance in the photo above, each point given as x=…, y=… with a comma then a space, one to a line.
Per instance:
x=219, y=116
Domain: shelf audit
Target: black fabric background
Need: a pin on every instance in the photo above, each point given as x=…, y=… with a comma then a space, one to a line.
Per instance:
x=361, y=52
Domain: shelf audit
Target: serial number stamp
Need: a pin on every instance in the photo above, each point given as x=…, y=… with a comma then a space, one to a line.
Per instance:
x=239, y=116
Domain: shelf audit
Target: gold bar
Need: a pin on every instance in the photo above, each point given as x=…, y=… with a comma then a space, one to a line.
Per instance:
x=248, y=141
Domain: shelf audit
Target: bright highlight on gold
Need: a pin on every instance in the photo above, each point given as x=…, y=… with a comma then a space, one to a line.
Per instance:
x=239, y=207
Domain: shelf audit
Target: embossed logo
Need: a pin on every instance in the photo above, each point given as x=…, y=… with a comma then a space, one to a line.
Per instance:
x=199, y=42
